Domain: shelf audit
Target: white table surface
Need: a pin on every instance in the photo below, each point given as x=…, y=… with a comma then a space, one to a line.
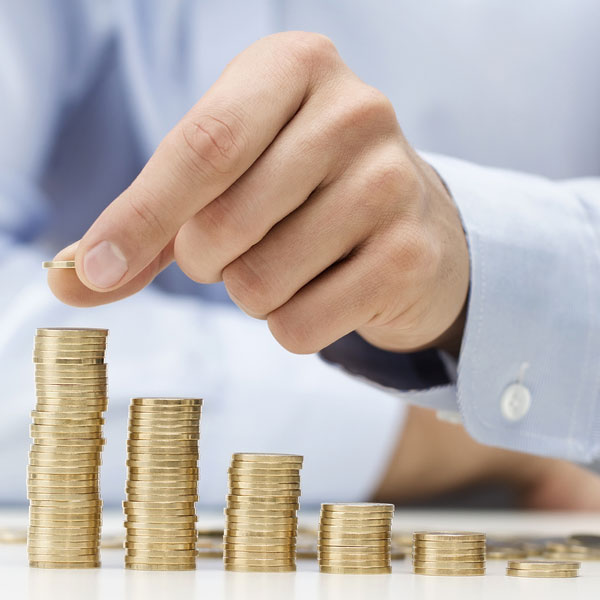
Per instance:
x=211, y=582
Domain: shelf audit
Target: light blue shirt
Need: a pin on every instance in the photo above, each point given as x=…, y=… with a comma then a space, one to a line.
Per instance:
x=88, y=89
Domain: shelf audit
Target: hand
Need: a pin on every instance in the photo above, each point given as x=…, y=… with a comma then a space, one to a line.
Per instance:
x=291, y=181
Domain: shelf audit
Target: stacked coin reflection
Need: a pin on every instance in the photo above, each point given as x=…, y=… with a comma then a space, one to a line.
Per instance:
x=261, y=516
x=355, y=538
x=449, y=553
x=162, y=483
x=543, y=569
x=64, y=461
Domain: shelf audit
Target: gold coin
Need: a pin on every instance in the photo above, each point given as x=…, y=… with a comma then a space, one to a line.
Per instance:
x=283, y=534
x=354, y=542
x=74, y=506
x=153, y=553
x=165, y=439
x=179, y=505
x=231, y=520
x=278, y=486
x=359, y=507
x=538, y=565
x=68, y=361
x=245, y=569
x=355, y=570
x=444, y=564
x=541, y=574
x=58, y=264
x=263, y=492
x=264, y=555
x=174, y=429
x=84, y=344
x=71, y=331
x=266, y=457
x=74, y=490
x=259, y=513
x=480, y=556
x=166, y=401
x=157, y=514
x=55, y=565
x=162, y=497
x=159, y=546
x=264, y=539
x=191, y=463
x=452, y=572
x=249, y=562
x=57, y=548
x=251, y=472
x=137, y=521
x=93, y=421
x=150, y=448
x=185, y=473
x=279, y=501
x=448, y=536
x=356, y=523
x=258, y=548
x=165, y=413
x=354, y=536
x=450, y=547
x=266, y=479
x=344, y=529
x=344, y=563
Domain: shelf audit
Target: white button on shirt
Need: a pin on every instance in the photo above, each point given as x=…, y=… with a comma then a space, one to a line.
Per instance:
x=515, y=402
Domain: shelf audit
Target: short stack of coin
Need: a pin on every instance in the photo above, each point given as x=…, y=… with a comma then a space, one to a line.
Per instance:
x=449, y=553
x=355, y=538
x=162, y=484
x=261, y=516
x=62, y=483
x=539, y=568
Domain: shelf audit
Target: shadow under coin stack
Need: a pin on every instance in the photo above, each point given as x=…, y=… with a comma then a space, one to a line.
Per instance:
x=162, y=484
x=261, y=522
x=355, y=538
x=65, y=510
x=449, y=553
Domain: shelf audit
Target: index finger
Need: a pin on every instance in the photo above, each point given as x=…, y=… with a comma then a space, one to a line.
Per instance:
x=211, y=147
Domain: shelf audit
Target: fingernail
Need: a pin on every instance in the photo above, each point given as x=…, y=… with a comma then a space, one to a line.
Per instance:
x=104, y=265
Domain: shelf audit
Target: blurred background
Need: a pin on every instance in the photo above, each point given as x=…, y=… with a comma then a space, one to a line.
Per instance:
x=88, y=89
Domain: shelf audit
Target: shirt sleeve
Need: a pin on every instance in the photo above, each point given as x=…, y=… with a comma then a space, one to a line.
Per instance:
x=528, y=376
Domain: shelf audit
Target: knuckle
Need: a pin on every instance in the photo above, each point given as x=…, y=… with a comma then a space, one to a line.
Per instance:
x=310, y=50
x=413, y=252
x=368, y=108
x=248, y=285
x=213, y=143
x=291, y=332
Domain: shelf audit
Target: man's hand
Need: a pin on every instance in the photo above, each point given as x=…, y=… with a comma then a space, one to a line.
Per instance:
x=291, y=181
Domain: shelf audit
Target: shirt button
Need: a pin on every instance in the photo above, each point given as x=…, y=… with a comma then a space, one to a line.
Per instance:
x=515, y=402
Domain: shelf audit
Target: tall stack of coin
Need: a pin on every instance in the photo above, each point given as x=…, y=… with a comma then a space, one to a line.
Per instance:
x=62, y=483
x=355, y=538
x=448, y=553
x=261, y=516
x=162, y=484
x=539, y=568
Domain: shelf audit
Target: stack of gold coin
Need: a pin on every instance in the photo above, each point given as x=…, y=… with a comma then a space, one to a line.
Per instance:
x=448, y=553
x=261, y=516
x=162, y=484
x=355, y=538
x=62, y=482
x=539, y=568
